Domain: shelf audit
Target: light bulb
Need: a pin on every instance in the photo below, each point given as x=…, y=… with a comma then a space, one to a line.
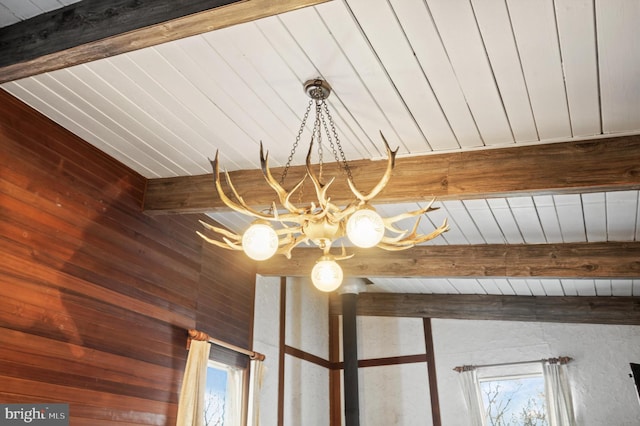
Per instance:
x=326, y=275
x=260, y=241
x=365, y=228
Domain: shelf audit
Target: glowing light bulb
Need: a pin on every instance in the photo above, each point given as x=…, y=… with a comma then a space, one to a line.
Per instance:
x=260, y=241
x=326, y=275
x=365, y=228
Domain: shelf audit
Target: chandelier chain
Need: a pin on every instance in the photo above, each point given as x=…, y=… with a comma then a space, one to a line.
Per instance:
x=317, y=134
x=343, y=157
x=321, y=109
x=295, y=144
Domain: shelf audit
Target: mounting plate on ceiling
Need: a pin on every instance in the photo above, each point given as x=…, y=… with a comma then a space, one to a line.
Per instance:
x=317, y=89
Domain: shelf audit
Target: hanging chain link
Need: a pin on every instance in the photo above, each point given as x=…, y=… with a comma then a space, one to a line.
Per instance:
x=317, y=132
x=295, y=144
x=343, y=158
x=320, y=124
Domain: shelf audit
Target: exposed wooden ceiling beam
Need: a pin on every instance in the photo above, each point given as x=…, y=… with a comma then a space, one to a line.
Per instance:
x=577, y=260
x=570, y=167
x=95, y=29
x=575, y=309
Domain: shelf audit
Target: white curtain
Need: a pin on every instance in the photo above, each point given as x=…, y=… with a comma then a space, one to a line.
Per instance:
x=558, y=393
x=255, y=385
x=191, y=403
x=233, y=400
x=472, y=396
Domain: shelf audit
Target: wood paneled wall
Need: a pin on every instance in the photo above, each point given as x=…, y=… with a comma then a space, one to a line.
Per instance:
x=96, y=297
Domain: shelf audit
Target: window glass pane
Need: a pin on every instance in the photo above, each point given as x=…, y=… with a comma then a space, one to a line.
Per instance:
x=215, y=396
x=516, y=401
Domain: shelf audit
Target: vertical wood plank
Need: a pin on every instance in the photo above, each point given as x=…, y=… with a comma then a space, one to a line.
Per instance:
x=426, y=41
x=526, y=216
x=499, y=41
x=392, y=48
x=431, y=371
x=622, y=207
x=372, y=73
x=458, y=28
x=537, y=39
x=577, y=34
x=619, y=64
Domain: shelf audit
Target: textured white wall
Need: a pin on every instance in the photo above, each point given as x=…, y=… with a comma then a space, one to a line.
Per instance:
x=382, y=337
x=306, y=396
x=306, y=393
x=306, y=385
x=307, y=326
x=603, y=393
x=266, y=340
x=392, y=394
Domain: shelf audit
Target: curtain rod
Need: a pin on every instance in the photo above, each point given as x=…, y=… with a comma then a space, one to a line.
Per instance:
x=202, y=336
x=558, y=360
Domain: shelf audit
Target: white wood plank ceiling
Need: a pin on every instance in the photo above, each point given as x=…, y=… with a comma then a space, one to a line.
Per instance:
x=432, y=75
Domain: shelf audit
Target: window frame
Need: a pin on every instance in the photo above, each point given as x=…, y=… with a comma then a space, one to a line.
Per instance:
x=506, y=372
x=240, y=375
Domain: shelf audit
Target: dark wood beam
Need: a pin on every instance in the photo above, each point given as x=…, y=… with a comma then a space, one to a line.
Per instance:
x=571, y=167
x=575, y=309
x=434, y=399
x=96, y=29
x=575, y=260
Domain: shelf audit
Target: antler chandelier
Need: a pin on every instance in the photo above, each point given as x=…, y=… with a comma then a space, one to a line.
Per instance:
x=323, y=223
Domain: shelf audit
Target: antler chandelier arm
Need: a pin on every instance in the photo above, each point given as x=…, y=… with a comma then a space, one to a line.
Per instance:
x=242, y=207
x=321, y=190
x=401, y=234
x=390, y=221
x=285, y=244
x=413, y=239
x=350, y=208
x=438, y=231
x=293, y=243
x=227, y=244
x=227, y=237
x=343, y=255
x=221, y=231
x=283, y=195
x=391, y=160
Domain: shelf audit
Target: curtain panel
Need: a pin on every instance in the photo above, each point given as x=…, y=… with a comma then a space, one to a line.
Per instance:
x=255, y=386
x=194, y=382
x=558, y=394
x=472, y=396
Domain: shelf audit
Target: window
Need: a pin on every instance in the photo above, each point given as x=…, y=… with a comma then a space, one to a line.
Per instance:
x=223, y=395
x=518, y=400
x=519, y=394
